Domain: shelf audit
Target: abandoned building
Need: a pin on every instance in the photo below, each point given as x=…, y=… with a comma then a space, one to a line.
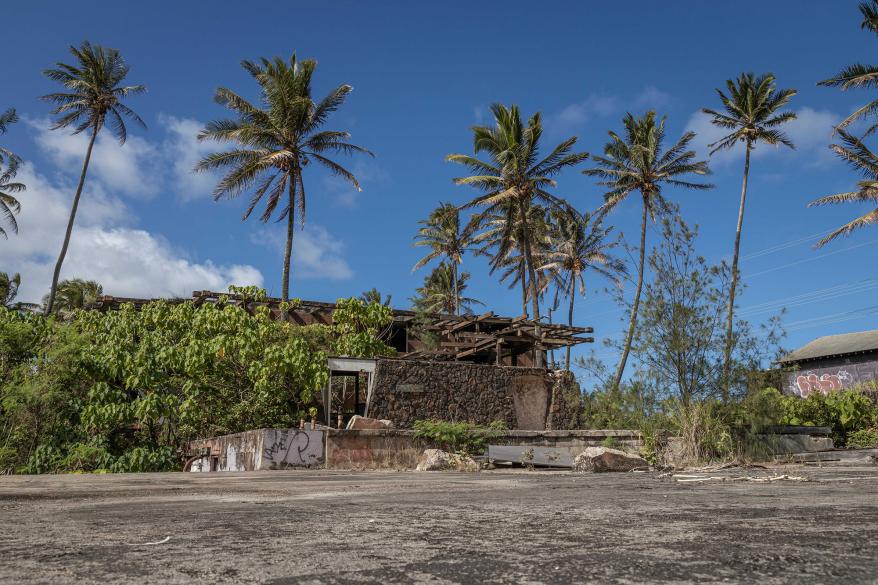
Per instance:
x=478, y=368
x=832, y=363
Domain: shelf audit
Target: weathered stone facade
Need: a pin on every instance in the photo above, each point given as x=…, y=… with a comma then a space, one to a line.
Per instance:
x=524, y=398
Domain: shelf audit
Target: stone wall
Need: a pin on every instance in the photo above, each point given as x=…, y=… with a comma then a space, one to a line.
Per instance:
x=524, y=398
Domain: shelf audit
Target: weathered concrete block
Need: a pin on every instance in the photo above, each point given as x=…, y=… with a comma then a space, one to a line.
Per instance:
x=439, y=460
x=600, y=459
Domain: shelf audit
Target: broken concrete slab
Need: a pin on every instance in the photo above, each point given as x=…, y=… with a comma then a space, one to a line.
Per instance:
x=602, y=459
x=361, y=423
x=439, y=460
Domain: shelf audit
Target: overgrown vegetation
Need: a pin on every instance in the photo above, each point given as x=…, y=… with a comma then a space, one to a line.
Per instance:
x=123, y=390
x=458, y=437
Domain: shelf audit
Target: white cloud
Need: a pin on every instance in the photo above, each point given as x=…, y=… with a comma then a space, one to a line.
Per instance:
x=316, y=252
x=811, y=132
x=652, y=98
x=369, y=175
x=127, y=261
x=129, y=169
x=185, y=151
x=575, y=115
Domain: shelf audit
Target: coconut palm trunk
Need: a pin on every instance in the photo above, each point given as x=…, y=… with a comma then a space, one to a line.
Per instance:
x=636, y=305
x=456, y=291
x=727, y=358
x=570, y=320
x=288, y=250
x=69, y=232
x=532, y=286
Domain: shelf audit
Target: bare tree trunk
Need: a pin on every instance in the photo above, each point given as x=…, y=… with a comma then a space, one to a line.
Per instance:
x=523, y=278
x=66, y=244
x=570, y=319
x=456, y=291
x=532, y=277
x=288, y=252
x=727, y=361
x=633, y=323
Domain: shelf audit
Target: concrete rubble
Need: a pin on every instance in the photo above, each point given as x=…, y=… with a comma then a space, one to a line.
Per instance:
x=439, y=460
x=601, y=459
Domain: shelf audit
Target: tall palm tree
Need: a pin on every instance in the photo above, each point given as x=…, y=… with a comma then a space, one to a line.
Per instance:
x=275, y=142
x=636, y=161
x=859, y=75
x=751, y=115
x=92, y=99
x=517, y=173
x=373, y=295
x=9, y=205
x=441, y=294
x=863, y=160
x=442, y=234
x=500, y=237
x=75, y=293
x=578, y=243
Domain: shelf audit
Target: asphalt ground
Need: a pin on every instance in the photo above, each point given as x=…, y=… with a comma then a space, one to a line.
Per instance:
x=285, y=527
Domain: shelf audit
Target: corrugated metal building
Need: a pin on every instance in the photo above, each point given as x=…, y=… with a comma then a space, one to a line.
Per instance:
x=832, y=363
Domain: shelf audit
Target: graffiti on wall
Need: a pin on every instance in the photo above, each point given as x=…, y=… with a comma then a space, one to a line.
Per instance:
x=806, y=383
x=291, y=448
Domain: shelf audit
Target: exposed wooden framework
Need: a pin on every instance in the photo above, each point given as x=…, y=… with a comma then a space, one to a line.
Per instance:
x=485, y=338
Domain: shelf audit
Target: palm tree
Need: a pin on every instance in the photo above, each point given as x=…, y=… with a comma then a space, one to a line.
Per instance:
x=92, y=99
x=637, y=162
x=859, y=75
x=6, y=118
x=751, y=115
x=374, y=296
x=441, y=294
x=442, y=234
x=501, y=232
x=9, y=205
x=75, y=294
x=578, y=243
x=864, y=161
x=516, y=173
x=274, y=143
x=9, y=286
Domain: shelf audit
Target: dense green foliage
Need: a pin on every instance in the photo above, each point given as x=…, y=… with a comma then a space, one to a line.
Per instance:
x=458, y=437
x=123, y=390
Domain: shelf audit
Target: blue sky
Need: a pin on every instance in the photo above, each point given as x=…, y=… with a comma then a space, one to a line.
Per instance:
x=423, y=73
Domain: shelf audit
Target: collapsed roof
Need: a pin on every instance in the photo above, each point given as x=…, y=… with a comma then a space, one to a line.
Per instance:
x=485, y=338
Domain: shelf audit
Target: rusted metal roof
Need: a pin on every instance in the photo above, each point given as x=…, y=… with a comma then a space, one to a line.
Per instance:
x=834, y=345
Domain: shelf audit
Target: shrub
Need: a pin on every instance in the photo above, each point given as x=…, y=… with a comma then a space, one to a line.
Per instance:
x=845, y=412
x=458, y=437
x=863, y=438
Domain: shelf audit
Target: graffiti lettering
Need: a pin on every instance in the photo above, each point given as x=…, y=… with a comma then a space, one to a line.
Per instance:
x=809, y=383
x=287, y=448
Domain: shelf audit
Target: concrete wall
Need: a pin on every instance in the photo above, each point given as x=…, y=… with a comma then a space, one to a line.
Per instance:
x=524, y=398
x=831, y=375
x=399, y=449
x=257, y=450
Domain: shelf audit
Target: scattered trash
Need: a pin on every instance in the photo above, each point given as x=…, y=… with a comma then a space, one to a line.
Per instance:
x=686, y=478
x=162, y=541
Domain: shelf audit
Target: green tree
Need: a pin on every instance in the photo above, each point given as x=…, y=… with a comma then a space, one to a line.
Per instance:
x=442, y=234
x=9, y=286
x=517, y=173
x=275, y=142
x=751, y=114
x=75, y=294
x=859, y=76
x=637, y=162
x=441, y=294
x=9, y=205
x=500, y=237
x=578, y=243
x=373, y=295
x=92, y=99
x=864, y=161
